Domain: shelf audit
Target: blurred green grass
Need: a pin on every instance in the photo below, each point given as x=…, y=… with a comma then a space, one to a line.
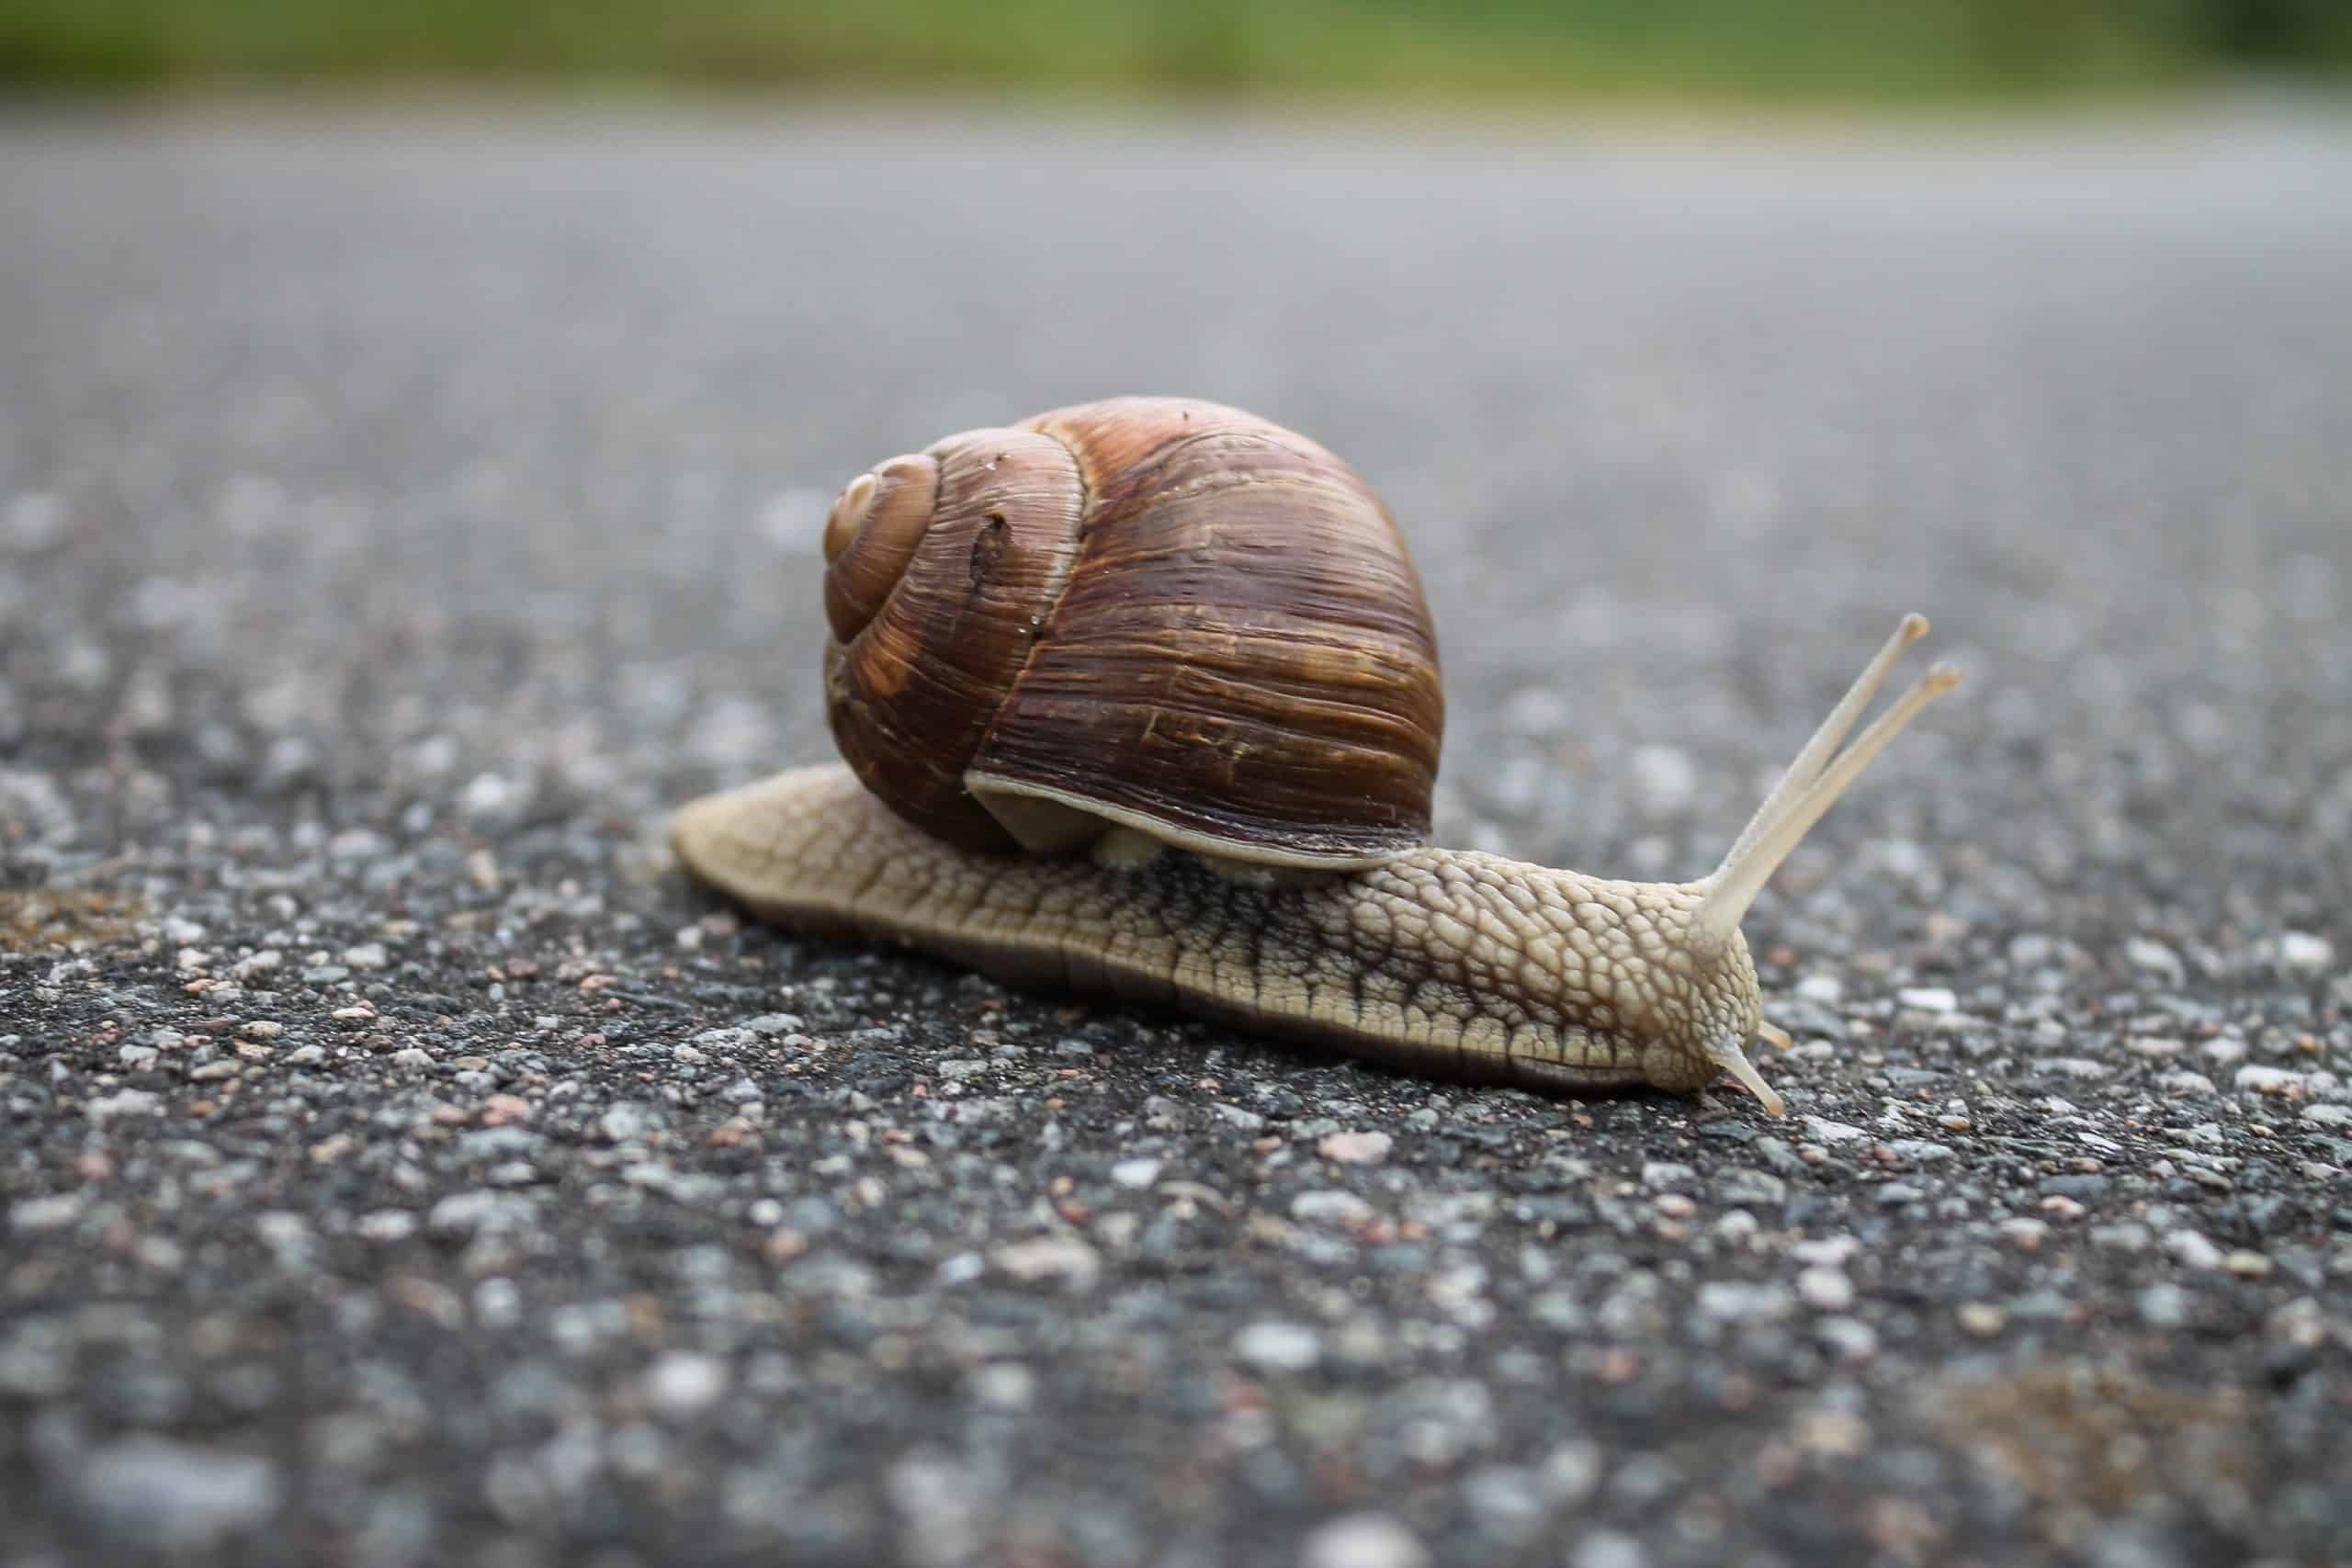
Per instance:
x=1504, y=50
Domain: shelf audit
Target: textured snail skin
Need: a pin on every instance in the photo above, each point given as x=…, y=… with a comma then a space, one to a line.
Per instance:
x=1446, y=961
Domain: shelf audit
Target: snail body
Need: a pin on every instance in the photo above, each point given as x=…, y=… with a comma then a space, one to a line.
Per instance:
x=1140, y=698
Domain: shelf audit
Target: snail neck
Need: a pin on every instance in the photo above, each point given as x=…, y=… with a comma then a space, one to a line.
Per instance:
x=1626, y=969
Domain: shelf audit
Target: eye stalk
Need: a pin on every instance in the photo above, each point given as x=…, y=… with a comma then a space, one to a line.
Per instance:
x=1732, y=1060
x=1813, y=783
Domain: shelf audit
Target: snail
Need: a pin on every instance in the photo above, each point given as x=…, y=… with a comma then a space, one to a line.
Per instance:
x=1140, y=698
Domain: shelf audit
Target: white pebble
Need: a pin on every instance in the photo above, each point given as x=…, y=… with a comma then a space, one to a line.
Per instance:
x=1849, y=1338
x=1825, y=1289
x=1571, y=1472
x=2085, y=1068
x=367, y=955
x=1364, y=1541
x=486, y=793
x=2146, y=952
x=1928, y=998
x=1982, y=1319
x=1331, y=1207
x=2302, y=950
x=2164, y=1305
x=1355, y=1148
x=1607, y=1549
x=126, y=1102
x=1004, y=1385
x=1136, y=1175
x=1737, y=1300
x=2268, y=1080
x=171, y=1497
x=52, y=1213
x=2025, y=1233
x=1827, y=1252
x=681, y=1382
x=1049, y=1258
x=1279, y=1347
x=2193, y=1250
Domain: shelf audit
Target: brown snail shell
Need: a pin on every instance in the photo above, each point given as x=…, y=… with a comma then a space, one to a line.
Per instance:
x=1153, y=612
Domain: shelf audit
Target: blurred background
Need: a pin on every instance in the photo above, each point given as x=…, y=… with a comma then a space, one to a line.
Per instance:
x=1465, y=51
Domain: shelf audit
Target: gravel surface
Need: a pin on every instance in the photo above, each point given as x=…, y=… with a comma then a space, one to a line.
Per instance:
x=400, y=1164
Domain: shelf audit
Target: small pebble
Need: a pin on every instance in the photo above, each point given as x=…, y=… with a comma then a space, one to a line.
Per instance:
x=34, y=1216
x=175, y=1496
x=681, y=1382
x=2193, y=1250
x=1136, y=1175
x=2163, y=1305
x=1354, y=1149
x=2305, y=953
x=1331, y=1207
x=2146, y=952
x=1825, y=1289
x=2258, y=1079
x=1004, y=1385
x=1982, y=1319
x=1364, y=1541
x=1607, y=1549
x=1740, y=1302
x=1279, y=1347
x=1064, y=1258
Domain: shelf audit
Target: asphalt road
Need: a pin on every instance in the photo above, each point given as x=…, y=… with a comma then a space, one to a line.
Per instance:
x=400, y=1164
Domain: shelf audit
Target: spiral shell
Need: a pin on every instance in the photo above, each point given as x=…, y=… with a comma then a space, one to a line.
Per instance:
x=1149, y=612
